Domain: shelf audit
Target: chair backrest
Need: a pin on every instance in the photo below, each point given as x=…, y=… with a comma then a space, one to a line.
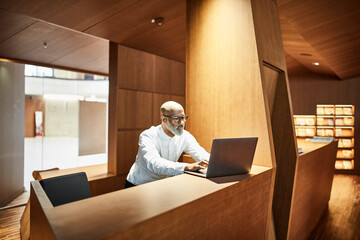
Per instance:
x=66, y=188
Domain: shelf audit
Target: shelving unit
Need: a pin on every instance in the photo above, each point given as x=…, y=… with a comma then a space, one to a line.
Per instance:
x=305, y=126
x=338, y=121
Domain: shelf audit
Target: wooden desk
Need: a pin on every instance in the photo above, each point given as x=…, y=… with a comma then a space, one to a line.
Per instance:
x=181, y=207
x=312, y=187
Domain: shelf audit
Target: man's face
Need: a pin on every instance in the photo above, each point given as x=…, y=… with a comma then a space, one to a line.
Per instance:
x=176, y=127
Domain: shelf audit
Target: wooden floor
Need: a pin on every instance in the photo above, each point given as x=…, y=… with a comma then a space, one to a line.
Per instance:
x=342, y=219
x=10, y=218
x=340, y=222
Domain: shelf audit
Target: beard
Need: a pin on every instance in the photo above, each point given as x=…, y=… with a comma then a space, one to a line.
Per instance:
x=175, y=130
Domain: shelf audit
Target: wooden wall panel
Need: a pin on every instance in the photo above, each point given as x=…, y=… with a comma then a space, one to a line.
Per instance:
x=135, y=109
x=136, y=69
x=169, y=76
x=127, y=149
x=140, y=83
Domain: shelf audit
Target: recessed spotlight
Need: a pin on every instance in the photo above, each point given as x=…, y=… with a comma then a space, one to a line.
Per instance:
x=316, y=63
x=158, y=21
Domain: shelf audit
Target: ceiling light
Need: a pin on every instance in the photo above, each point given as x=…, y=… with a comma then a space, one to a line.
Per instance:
x=159, y=21
x=316, y=63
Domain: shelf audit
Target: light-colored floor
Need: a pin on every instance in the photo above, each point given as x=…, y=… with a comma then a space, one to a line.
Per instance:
x=50, y=152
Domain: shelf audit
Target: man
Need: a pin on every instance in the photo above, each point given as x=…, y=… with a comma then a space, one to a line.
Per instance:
x=160, y=148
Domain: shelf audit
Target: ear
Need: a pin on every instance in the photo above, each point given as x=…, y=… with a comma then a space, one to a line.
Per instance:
x=163, y=119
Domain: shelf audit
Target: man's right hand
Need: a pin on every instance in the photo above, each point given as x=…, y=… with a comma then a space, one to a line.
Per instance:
x=196, y=166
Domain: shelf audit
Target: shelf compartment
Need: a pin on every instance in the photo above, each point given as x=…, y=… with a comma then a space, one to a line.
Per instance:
x=305, y=131
x=325, y=109
x=345, y=154
x=344, y=109
x=344, y=120
x=344, y=131
x=345, y=142
x=325, y=131
x=304, y=120
x=344, y=164
x=325, y=121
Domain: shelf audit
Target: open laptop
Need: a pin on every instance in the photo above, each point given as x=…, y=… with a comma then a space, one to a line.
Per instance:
x=229, y=156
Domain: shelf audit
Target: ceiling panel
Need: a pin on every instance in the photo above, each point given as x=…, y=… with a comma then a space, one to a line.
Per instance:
x=75, y=14
x=132, y=27
x=331, y=28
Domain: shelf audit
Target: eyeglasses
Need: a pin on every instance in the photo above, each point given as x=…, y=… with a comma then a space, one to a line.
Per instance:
x=177, y=119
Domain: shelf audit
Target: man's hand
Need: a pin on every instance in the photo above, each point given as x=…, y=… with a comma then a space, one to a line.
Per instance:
x=196, y=166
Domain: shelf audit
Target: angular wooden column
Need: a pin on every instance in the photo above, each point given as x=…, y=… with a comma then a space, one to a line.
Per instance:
x=236, y=81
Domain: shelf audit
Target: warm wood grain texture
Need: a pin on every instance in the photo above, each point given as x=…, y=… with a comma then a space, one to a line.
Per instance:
x=140, y=79
x=135, y=109
x=329, y=28
x=23, y=38
x=145, y=215
x=31, y=105
x=311, y=89
x=39, y=205
x=92, y=128
x=12, y=130
x=341, y=219
x=224, y=94
x=285, y=151
x=127, y=149
x=312, y=187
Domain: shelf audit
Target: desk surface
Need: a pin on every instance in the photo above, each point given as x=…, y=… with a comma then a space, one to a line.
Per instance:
x=101, y=216
x=310, y=146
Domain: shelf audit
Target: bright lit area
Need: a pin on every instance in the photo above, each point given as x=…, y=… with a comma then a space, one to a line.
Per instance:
x=65, y=120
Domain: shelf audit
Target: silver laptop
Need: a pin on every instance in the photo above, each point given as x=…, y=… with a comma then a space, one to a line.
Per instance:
x=229, y=156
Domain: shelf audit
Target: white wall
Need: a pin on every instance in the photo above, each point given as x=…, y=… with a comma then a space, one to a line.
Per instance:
x=12, y=131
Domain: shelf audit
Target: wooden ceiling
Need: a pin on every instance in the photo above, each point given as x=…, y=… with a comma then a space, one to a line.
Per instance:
x=77, y=32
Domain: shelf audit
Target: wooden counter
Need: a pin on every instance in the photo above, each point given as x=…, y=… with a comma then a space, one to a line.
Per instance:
x=312, y=187
x=181, y=207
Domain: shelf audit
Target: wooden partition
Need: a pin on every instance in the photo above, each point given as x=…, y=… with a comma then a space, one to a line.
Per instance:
x=139, y=83
x=198, y=208
x=237, y=83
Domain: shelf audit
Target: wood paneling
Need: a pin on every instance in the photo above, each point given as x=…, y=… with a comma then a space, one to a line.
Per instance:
x=312, y=187
x=138, y=79
x=25, y=37
x=135, y=109
x=92, y=128
x=82, y=14
x=127, y=149
x=224, y=94
x=132, y=27
x=140, y=213
x=12, y=129
x=136, y=69
x=329, y=28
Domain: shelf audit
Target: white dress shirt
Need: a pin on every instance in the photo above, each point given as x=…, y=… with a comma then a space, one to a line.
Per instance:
x=158, y=155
